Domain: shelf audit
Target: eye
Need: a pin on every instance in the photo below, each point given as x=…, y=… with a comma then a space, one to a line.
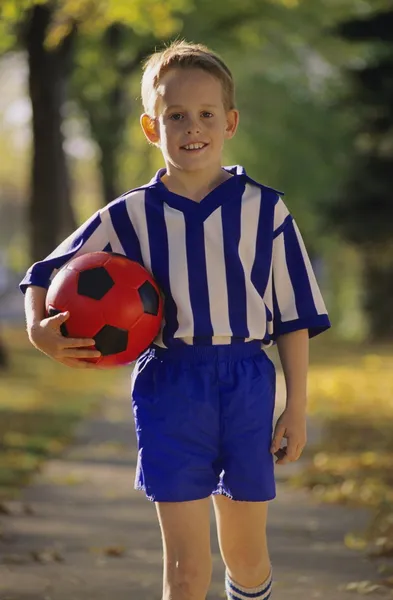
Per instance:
x=207, y=115
x=176, y=117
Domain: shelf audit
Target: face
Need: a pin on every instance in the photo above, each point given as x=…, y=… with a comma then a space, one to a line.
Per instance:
x=191, y=123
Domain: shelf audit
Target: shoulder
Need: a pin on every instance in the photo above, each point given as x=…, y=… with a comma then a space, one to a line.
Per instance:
x=282, y=217
x=132, y=197
x=135, y=196
x=268, y=192
x=271, y=199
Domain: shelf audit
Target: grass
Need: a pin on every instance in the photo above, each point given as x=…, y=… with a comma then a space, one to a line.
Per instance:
x=41, y=401
x=351, y=395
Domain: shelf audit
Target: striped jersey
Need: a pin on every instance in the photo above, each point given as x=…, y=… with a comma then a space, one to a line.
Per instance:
x=231, y=267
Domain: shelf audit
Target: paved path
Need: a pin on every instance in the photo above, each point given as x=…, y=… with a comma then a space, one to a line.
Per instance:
x=88, y=535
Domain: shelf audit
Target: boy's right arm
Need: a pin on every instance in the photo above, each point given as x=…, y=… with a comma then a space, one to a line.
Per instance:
x=44, y=333
x=107, y=230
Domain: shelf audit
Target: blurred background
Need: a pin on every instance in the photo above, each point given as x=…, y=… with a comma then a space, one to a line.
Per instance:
x=315, y=93
x=314, y=88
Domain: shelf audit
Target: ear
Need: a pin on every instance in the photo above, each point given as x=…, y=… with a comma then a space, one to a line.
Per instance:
x=232, y=123
x=150, y=128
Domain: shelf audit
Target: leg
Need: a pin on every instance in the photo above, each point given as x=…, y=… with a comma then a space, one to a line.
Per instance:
x=241, y=528
x=185, y=528
x=247, y=401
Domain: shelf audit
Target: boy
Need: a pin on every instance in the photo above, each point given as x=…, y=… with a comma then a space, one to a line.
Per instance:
x=236, y=278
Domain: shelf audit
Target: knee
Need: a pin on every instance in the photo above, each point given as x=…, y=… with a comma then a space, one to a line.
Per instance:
x=249, y=571
x=188, y=580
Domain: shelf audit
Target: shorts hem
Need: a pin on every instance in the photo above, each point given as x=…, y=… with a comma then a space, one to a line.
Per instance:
x=235, y=498
x=163, y=498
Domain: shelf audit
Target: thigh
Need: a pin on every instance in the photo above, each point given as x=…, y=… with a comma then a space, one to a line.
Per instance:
x=185, y=530
x=241, y=530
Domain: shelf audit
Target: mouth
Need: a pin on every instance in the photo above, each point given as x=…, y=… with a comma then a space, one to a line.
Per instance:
x=194, y=147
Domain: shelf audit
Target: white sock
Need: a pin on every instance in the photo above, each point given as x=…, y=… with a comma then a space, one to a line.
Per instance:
x=237, y=592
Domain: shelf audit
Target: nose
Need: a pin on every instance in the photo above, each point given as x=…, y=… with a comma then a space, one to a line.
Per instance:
x=192, y=126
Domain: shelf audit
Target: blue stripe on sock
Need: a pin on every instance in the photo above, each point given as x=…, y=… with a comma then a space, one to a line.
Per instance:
x=232, y=588
x=232, y=597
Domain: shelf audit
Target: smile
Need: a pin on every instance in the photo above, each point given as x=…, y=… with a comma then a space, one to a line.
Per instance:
x=196, y=146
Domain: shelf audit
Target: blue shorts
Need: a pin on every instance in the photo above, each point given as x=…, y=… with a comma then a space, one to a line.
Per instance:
x=204, y=422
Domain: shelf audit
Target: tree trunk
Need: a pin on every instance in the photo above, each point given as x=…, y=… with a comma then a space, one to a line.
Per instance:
x=51, y=216
x=109, y=127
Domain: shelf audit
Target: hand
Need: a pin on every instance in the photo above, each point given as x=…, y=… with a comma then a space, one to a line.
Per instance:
x=292, y=426
x=47, y=337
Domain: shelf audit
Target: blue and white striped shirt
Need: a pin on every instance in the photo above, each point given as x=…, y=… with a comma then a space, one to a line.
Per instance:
x=232, y=267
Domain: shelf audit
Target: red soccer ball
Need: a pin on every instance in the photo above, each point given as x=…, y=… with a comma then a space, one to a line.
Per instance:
x=110, y=298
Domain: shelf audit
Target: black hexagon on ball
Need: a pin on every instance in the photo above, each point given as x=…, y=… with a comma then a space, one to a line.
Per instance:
x=95, y=283
x=111, y=340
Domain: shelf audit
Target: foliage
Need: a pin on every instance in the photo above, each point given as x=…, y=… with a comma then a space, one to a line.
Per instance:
x=371, y=96
x=350, y=397
x=362, y=211
x=279, y=41
x=297, y=126
x=91, y=16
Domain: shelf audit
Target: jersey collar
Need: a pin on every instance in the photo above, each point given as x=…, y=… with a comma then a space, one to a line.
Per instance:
x=237, y=170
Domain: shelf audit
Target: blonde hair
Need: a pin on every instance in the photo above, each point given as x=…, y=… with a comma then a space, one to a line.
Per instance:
x=184, y=55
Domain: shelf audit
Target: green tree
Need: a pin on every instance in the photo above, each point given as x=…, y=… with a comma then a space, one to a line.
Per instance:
x=363, y=211
x=106, y=64
x=47, y=29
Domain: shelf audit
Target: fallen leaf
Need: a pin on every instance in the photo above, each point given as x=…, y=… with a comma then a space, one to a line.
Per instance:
x=354, y=542
x=47, y=556
x=362, y=587
x=115, y=551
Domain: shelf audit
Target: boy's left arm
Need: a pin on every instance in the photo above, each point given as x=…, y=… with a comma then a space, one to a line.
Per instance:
x=293, y=350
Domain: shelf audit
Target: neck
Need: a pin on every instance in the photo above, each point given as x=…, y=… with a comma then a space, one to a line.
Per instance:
x=194, y=185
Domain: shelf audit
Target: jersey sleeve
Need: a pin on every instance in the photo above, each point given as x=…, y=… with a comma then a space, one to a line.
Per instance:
x=89, y=237
x=297, y=299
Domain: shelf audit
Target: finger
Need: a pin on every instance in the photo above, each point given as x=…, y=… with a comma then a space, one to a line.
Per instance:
x=292, y=450
x=277, y=439
x=296, y=455
x=299, y=452
x=77, y=343
x=60, y=317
